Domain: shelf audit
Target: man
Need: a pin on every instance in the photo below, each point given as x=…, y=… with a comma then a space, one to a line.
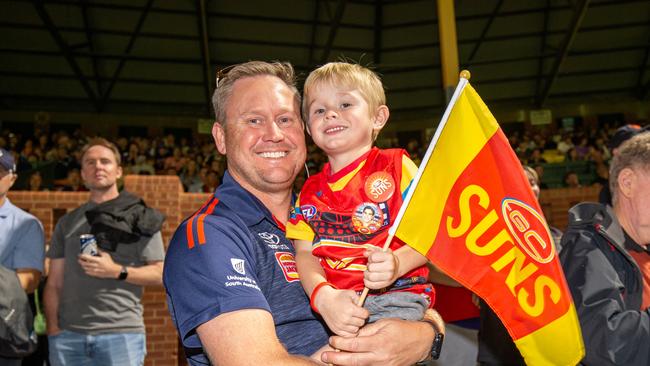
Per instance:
x=22, y=244
x=607, y=264
x=621, y=135
x=230, y=274
x=92, y=303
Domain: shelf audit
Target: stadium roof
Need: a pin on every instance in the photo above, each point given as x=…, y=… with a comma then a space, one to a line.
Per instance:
x=145, y=56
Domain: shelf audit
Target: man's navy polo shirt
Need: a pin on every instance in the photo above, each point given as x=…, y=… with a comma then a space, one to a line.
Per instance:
x=231, y=255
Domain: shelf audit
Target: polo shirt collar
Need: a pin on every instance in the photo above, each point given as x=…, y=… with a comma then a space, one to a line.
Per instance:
x=250, y=209
x=6, y=208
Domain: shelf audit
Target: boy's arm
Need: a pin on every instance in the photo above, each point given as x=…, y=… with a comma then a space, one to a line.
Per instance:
x=384, y=268
x=338, y=307
x=310, y=271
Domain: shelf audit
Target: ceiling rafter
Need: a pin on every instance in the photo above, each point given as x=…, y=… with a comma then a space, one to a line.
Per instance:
x=486, y=28
x=542, y=48
x=118, y=70
x=90, y=42
x=642, y=90
x=377, y=32
x=63, y=46
x=334, y=28
x=578, y=15
x=201, y=15
x=314, y=29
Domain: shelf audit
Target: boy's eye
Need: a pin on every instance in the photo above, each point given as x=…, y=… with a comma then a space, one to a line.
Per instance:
x=319, y=111
x=345, y=105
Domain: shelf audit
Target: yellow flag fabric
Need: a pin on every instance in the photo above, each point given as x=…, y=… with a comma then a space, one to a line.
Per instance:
x=472, y=213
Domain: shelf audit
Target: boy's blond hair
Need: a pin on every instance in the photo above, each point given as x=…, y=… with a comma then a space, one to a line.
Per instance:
x=346, y=75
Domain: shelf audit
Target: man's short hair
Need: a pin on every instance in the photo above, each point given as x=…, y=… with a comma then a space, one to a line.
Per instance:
x=100, y=141
x=634, y=154
x=226, y=78
x=345, y=75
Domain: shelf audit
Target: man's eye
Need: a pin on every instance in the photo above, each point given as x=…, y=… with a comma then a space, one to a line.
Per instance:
x=285, y=120
x=254, y=121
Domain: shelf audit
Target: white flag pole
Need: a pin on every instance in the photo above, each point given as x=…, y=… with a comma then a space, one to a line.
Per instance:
x=464, y=78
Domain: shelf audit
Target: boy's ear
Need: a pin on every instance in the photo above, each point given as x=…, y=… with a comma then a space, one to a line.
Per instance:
x=381, y=117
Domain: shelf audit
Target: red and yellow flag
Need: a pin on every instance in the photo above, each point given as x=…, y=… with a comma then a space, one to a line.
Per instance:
x=471, y=211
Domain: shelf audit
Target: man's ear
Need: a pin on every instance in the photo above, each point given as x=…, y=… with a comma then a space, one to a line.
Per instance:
x=13, y=178
x=626, y=179
x=381, y=117
x=219, y=136
x=119, y=172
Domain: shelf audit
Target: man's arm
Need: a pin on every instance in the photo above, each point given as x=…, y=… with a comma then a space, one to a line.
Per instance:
x=28, y=278
x=391, y=342
x=245, y=337
x=52, y=294
x=103, y=266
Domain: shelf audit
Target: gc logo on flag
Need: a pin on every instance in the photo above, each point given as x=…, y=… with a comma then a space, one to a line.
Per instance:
x=238, y=265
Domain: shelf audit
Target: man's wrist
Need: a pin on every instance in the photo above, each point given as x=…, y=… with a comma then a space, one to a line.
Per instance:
x=433, y=319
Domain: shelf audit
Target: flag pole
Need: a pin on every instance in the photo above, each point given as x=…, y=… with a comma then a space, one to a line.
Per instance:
x=464, y=79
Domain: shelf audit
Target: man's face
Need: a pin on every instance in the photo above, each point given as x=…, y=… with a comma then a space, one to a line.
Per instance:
x=7, y=180
x=639, y=196
x=99, y=168
x=263, y=134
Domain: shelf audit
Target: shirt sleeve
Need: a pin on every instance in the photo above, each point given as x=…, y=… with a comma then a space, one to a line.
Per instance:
x=297, y=227
x=153, y=250
x=57, y=243
x=30, y=249
x=205, y=280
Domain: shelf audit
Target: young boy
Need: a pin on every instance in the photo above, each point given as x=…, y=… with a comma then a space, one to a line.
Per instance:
x=341, y=219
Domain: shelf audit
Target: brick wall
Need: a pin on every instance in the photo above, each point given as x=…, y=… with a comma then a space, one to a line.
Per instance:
x=165, y=193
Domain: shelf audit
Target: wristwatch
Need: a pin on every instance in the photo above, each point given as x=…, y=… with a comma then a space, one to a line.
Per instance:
x=124, y=273
x=436, y=346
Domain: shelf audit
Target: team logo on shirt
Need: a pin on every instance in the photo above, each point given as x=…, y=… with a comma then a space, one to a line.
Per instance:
x=287, y=262
x=238, y=265
x=367, y=218
x=308, y=211
x=269, y=238
x=379, y=186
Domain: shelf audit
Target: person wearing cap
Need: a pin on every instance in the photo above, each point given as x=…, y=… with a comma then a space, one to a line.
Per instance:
x=22, y=243
x=606, y=262
x=620, y=136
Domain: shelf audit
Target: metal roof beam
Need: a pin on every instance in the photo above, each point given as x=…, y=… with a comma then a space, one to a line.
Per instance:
x=576, y=20
x=642, y=90
x=127, y=51
x=90, y=42
x=478, y=43
x=201, y=14
x=63, y=46
x=314, y=29
x=377, y=32
x=334, y=27
x=229, y=16
x=508, y=13
x=542, y=48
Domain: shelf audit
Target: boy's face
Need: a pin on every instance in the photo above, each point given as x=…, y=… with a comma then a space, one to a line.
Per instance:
x=341, y=122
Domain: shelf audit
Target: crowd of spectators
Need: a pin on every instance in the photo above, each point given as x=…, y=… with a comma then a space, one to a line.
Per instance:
x=51, y=161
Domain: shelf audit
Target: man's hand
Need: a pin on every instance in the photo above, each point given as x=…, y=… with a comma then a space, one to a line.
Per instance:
x=392, y=342
x=382, y=268
x=101, y=266
x=340, y=310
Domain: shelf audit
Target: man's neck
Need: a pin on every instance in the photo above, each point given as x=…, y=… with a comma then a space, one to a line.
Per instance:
x=626, y=223
x=103, y=195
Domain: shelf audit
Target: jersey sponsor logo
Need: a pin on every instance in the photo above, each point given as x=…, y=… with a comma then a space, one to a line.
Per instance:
x=287, y=263
x=379, y=186
x=269, y=238
x=367, y=218
x=308, y=211
x=238, y=265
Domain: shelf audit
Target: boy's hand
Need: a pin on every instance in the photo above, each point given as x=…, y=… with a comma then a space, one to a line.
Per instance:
x=382, y=268
x=340, y=311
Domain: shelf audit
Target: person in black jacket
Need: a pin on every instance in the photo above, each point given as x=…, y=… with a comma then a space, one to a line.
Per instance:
x=607, y=264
